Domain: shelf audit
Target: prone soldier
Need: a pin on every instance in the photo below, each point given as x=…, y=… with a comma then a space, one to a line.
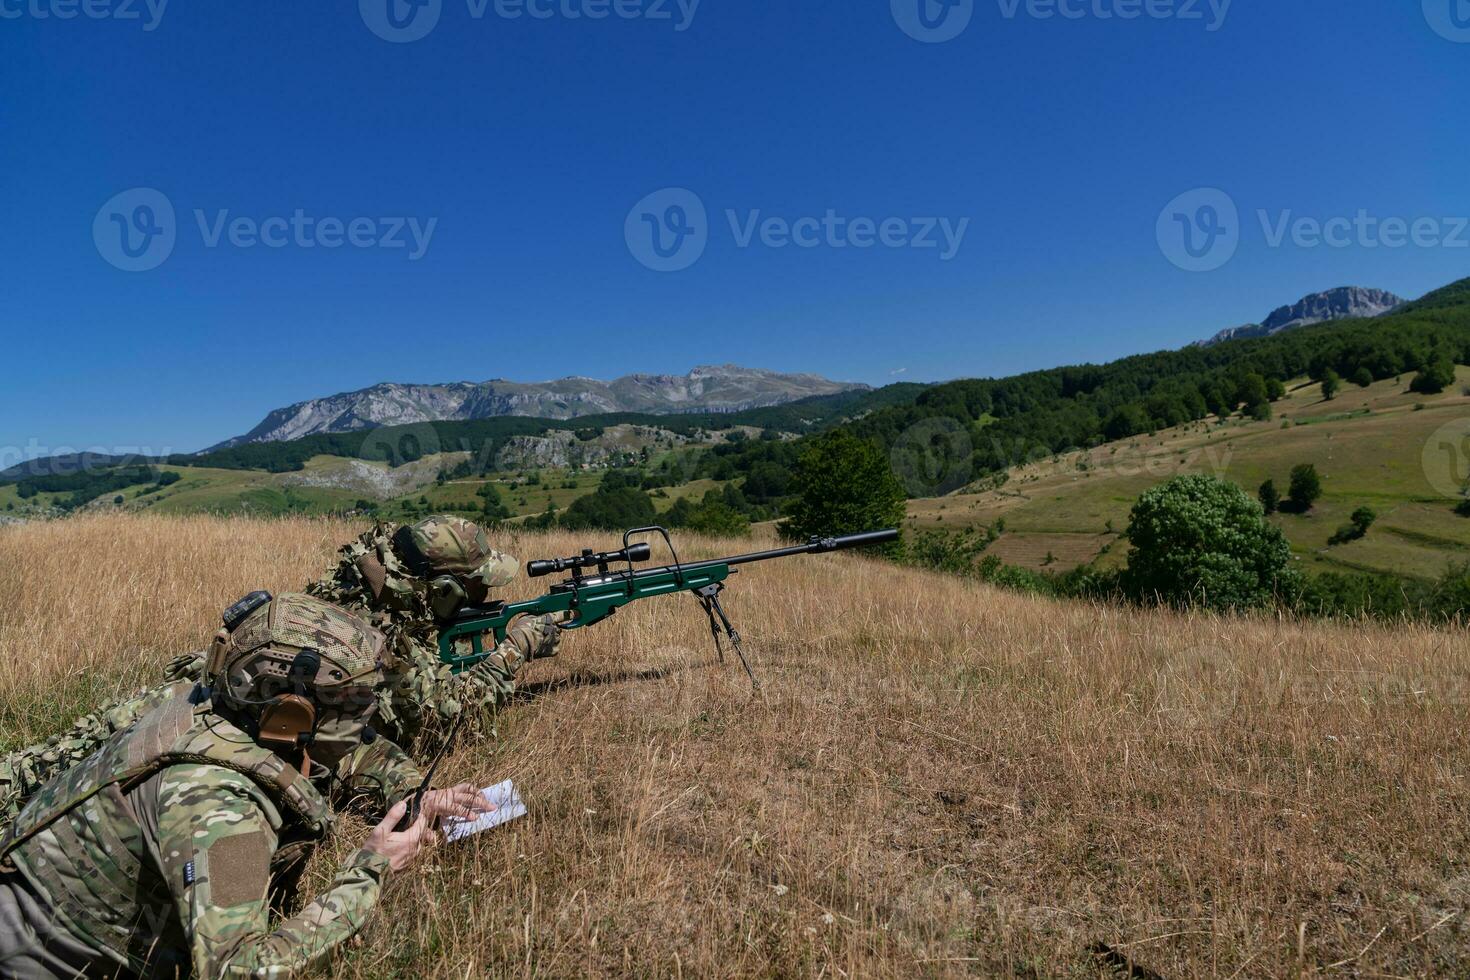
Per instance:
x=168, y=848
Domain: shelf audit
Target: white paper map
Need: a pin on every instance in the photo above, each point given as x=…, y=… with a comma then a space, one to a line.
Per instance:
x=508, y=806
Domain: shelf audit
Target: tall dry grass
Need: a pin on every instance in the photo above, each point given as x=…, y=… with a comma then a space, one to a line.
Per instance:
x=939, y=778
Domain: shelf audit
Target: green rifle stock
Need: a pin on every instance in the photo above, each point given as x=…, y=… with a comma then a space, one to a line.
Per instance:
x=590, y=599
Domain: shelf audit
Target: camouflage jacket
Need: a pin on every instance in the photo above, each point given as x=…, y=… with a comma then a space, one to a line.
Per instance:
x=370, y=780
x=424, y=697
x=421, y=699
x=163, y=853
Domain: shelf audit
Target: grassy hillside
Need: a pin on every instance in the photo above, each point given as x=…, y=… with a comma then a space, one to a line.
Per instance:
x=939, y=779
x=1369, y=445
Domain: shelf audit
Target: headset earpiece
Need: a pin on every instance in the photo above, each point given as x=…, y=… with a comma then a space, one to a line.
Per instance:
x=446, y=596
x=289, y=720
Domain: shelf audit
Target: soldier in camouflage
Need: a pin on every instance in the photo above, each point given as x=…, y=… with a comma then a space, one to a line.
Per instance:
x=167, y=850
x=395, y=576
x=407, y=579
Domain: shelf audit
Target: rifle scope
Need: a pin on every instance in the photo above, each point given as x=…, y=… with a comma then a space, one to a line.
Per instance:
x=589, y=559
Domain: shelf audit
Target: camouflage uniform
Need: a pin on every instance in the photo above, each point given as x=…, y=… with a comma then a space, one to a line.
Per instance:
x=370, y=779
x=394, y=574
x=166, y=851
x=385, y=574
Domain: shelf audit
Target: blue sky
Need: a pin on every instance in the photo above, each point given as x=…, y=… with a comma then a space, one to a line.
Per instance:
x=525, y=150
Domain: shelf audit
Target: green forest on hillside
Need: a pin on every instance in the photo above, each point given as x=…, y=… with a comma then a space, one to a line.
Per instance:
x=720, y=472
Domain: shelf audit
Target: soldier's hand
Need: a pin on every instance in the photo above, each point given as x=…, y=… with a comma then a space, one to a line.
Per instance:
x=399, y=848
x=463, y=801
x=538, y=636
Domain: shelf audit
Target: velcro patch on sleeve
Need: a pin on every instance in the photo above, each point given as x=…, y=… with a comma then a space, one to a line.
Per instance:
x=239, y=869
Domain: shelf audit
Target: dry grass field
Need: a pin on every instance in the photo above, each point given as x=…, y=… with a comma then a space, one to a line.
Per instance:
x=939, y=779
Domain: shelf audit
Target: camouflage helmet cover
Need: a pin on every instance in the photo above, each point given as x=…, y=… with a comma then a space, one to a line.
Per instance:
x=444, y=545
x=259, y=652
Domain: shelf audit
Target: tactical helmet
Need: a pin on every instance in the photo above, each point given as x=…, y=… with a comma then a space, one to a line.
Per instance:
x=301, y=669
x=455, y=557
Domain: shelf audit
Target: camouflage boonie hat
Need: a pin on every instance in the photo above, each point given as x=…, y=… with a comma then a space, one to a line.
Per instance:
x=265, y=644
x=453, y=546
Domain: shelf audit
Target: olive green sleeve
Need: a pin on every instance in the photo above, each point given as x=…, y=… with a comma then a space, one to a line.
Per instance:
x=216, y=835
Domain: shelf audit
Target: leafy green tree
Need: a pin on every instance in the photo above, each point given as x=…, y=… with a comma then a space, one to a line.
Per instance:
x=1275, y=389
x=718, y=518
x=1434, y=377
x=1201, y=540
x=1362, y=377
x=1363, y=519
x=1260, y=411
x=1269, y=497
x=843, y=485
x=493, y=509
x=1126, y=420
x=1331, y=384
x=1305, y=488
x=1253, y=395
x=616, y=509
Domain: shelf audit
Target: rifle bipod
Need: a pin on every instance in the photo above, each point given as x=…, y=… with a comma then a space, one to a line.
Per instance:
x=709, y=599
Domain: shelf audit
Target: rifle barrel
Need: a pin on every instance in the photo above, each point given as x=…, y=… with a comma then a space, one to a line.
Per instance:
x=819, y=546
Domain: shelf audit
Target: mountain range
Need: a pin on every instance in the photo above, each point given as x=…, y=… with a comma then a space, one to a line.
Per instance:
x=1343, y=303
x=723, y=388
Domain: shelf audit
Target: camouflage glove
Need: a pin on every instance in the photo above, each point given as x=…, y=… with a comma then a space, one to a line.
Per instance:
x=538, y=636
x=184, y=667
